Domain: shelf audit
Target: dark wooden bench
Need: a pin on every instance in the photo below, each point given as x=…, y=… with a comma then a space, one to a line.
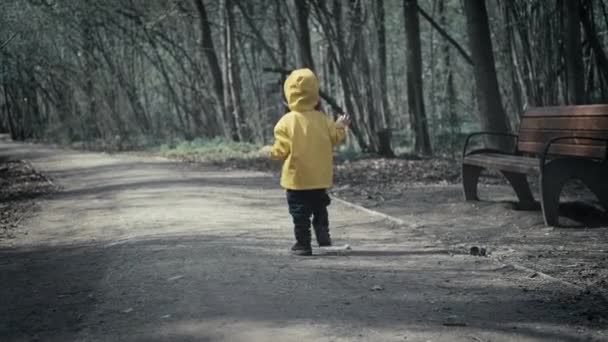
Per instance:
x=556, y=143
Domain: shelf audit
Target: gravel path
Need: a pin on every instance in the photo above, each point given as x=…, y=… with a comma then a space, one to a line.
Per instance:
x=145, y=249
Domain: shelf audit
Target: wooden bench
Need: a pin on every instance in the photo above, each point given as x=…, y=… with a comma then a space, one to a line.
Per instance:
x=556, y=143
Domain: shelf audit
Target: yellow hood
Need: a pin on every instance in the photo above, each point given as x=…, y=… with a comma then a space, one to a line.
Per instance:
x=302, y=90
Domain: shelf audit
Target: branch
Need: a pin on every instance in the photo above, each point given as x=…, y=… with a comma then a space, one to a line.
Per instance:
x=8, y=41
x=446, y=35
x=330, y=100
x=257, y=33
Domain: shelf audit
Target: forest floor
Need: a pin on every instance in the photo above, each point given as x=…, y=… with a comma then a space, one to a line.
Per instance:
x=141, y=248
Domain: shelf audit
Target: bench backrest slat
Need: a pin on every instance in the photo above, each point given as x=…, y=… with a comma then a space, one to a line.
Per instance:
x=541, y=124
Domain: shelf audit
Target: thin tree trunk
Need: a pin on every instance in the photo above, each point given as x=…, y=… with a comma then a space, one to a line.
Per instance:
x=90, y=67
x=304, y=50
x=596, y=44
x=234, y=78
x=510, y=46
x=214, y=66
x=491, y=111
x=422, y=143
x=280, y=21
x=384, y=135
x=574, y=53
x=9, y=113
x=449, y=94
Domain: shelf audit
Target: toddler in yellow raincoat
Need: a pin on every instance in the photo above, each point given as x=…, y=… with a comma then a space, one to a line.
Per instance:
x=304, y=140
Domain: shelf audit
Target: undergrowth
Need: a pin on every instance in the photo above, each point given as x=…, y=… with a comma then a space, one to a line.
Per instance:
x=209, y=150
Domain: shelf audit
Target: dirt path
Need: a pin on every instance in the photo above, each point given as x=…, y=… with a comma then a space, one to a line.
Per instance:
x=143, y=249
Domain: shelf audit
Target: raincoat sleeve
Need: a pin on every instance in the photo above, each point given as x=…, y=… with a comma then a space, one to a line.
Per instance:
x=282, y=141
x=336, y=133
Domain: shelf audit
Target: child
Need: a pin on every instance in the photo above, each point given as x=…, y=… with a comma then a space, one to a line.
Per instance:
x=304, y=140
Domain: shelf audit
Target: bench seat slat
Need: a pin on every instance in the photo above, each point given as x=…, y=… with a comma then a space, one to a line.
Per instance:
x=574, y=150
x=580, y=110
x=504, y=162
x=535, y=135
x=565, y=123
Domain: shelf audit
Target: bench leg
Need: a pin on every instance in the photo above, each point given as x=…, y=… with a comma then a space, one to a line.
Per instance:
x=558, y=172
x=551, y=183
x=520, y=184
x=601, y=192
x=597, y=183
x=470, y=177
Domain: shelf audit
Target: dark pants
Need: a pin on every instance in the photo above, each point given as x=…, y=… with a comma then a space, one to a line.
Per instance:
x=304, y=204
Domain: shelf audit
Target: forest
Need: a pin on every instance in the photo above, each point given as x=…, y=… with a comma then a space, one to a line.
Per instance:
x=415, y=76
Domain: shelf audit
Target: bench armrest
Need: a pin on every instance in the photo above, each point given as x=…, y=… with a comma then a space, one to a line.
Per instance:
x=543, y=158
x=475, y=134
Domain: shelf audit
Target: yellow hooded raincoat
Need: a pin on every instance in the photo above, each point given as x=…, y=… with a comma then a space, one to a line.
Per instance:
x=305, y=137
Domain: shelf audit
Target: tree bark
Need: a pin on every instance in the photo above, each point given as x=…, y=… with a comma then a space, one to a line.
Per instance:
x=596, y=44
x=418, y=120
x=229, y=117
x=381, y=35
x=90, y=67
x=234, y=75
x=491, y=111
x=448, y=97
x=304, y=50
x=214, y=65
x=574, y=53
x=384, y=133
x=512, y=59
x=280, y=21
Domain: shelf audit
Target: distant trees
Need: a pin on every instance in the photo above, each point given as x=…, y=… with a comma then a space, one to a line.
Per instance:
x=136, y=73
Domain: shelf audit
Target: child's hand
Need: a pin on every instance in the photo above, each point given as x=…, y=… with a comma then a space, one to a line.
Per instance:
x=265, y=151
x=343, y=121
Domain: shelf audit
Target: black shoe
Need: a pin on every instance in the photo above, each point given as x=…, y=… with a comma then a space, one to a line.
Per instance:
x=323, y=237
x=301, y=250
x=324, y=242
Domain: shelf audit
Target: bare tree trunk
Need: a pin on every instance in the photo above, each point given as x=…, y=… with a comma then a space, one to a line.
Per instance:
x=381, y=35
x=214, y=66
x=344, y=67
x=384, y=134
x=233, y=72
x=280, y=21
x=304, y=50
x=491, y=111
x=90, y=121
x=512, y=58
x=422, y=143
x=228, y=104
x=449, y=93
x=9, y=113
x=596, y=44
x=574, y=53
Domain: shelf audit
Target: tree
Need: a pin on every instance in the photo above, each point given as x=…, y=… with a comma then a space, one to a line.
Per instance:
x=491, y=111
x=418, y=121
x=384, y=134
x=574, y=53
x=233, y=101
x=303, y=33
x=214, y=65
x=449, y=91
